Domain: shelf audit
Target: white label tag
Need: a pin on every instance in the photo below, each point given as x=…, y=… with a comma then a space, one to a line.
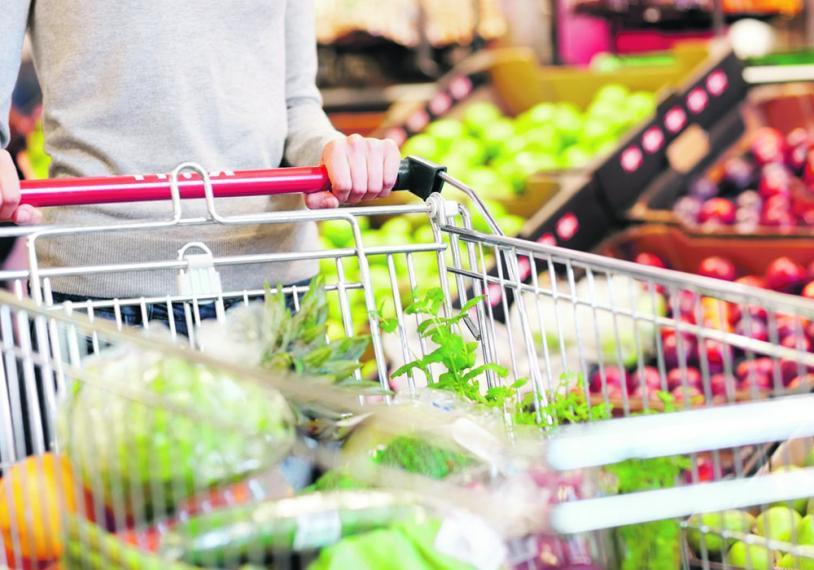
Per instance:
x=317, y=530
x=468, y=539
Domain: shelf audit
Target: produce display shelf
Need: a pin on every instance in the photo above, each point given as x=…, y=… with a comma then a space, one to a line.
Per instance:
x=788, y=110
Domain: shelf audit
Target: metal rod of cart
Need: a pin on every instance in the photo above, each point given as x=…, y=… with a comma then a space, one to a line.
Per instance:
x=648, y=359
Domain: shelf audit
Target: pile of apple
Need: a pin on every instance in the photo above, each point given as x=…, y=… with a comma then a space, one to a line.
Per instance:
x=397, y=231
x=685, y=355
x=783, y=522
x=495, y=154
x=772, y=185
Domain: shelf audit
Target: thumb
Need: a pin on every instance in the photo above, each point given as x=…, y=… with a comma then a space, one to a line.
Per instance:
x=27, y=215
x=321, y=201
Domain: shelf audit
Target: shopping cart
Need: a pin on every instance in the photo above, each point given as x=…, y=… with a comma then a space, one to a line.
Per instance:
x=585, y=338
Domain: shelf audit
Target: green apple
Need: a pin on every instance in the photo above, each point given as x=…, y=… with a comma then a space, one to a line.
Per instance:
x=495, y=208
x=613, y=93
x=732, y=520
x=805, y=531
x=541, y=114
x=446, y=132
x=576, y=157
x=398, y=227
x=424, y=234
x=806, y=562
x=338, y=232
x=798, y=505
x=479, y=116
x=641, y=104
x=511, y=225
x=542, y=139
x=468, y=150
x=498, y=136
x=510, y=171
x=487, y=182
x=596, y=129
x=424, y=146
x=568, y=121
x=750, y=556
x=777, y=523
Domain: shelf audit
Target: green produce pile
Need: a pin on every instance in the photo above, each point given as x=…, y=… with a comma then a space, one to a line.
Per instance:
x=495, y=154
x=785, y=522
x=150, y=457
x=405, y=231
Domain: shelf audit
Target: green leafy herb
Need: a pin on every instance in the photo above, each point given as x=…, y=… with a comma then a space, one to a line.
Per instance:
x=458, y=357
x=656, y=544
x=461, y=375
x=418, y=456
x=566, y=405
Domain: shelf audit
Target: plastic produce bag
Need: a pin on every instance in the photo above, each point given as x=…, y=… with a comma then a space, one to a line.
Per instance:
x=146, y=430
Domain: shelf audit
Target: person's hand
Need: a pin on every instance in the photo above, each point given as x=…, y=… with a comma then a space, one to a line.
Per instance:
x=10, y=209
x=359, y=169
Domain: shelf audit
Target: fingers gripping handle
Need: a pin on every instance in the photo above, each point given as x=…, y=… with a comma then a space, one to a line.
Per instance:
x=416, y=175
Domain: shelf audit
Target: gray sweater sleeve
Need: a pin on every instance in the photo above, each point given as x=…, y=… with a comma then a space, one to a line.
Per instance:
x=12, y=32
x=308, y=126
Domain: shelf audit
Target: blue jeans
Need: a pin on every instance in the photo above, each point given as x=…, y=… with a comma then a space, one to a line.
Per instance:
x=131, y=315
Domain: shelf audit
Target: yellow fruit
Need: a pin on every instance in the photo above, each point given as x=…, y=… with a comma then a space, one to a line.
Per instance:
x=33, y=495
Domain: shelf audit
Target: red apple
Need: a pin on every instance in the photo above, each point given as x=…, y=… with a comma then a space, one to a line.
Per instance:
x=719, y=211
x=649, y=380
x=776, y=211
x=756, y=312
x=751, y=281
x=690, y=395
x=785, y=274
x=798, y=143
x=808, y=290
x=768, y=145
x=722, y=384
x=798, y=137
x=687, y=303
x=705, y=468
x=796, y=342
x=760, y=381
x=673, y=345
x=775, y=180
x=763, y=365
x=717, y=354
x=614, y=376
x=678, y=376
x=753, y=328
x=650, y=259
x=718, y=268
x=796, y=159
x=806, y=380
x=808, y=169
x=791, y=369
x=788, y=325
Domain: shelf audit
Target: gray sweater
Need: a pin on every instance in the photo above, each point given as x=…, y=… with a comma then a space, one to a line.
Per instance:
x=138, y=87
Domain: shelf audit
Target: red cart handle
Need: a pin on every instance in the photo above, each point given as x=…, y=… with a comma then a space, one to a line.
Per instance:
x=417, y=175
